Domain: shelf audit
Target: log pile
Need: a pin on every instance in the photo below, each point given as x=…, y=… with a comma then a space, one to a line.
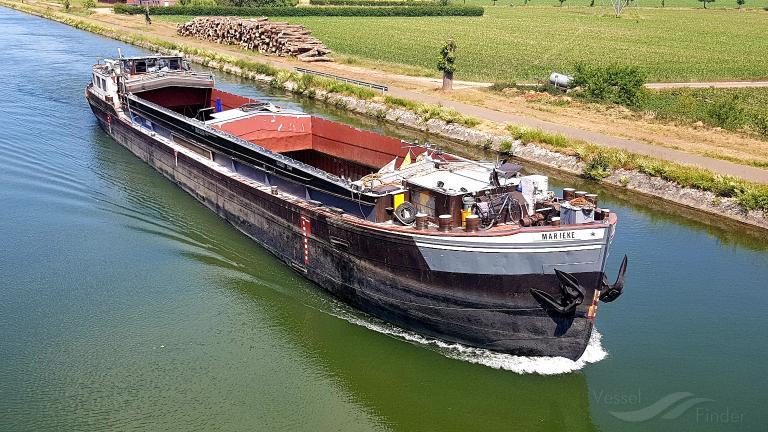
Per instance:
x=271, y=38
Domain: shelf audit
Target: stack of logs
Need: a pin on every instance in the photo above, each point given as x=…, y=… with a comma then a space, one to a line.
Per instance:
x=274, y=38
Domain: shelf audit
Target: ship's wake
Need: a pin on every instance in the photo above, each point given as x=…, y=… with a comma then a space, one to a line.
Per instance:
x=518, y=364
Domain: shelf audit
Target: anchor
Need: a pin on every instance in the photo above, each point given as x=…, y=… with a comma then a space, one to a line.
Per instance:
x=572, y=294
x=609, y=292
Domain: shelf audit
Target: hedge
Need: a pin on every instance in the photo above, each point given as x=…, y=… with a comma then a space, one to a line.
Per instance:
x=404, y=11
x=371, y=2
x=248, y=3
x=258, y=3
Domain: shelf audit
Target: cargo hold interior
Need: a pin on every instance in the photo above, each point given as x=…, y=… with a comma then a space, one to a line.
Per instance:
x=332, y=147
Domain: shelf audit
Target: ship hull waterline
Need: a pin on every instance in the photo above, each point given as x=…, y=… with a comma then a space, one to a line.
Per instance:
x=494, y=312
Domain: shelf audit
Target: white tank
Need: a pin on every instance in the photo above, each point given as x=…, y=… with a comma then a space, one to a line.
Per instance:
x=560, y=80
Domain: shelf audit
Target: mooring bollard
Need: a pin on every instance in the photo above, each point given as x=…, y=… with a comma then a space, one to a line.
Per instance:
x=445, y=223
x=472, y=223
x=422, y=221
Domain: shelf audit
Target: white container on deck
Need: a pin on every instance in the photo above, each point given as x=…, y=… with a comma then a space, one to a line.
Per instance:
x=534, y=188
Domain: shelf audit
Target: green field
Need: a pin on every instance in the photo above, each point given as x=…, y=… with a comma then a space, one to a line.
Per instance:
x=528, y=42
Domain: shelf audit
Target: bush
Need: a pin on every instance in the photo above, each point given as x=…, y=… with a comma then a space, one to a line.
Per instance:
x=615, y=83
x=256, y=3
x=369, y=2
x=406, y=11
x=90, y=4
x=598, y=167
x=252, y=3
x=727, y=113
x=754, y=198
x=760, y=123
x=506, y=146
x=624, y=180
x=198, y=2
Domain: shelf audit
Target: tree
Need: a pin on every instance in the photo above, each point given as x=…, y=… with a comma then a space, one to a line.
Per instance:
x=740, y=3
x=561, y=2
x=618, y=6
x=66, y=5
x=662, y=3
x=592, y=3
x=446, y=63
x=705, y=2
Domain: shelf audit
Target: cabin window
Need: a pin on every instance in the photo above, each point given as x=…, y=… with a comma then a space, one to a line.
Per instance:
x=141, y=67
x=424, y=202
x=174, y=64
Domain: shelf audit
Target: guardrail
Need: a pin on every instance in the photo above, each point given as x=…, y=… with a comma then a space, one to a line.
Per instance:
x=374, y=86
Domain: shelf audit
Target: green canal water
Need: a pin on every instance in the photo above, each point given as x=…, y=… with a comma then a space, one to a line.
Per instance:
x=126, y=305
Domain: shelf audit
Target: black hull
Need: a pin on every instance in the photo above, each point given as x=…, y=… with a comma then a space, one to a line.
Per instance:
x=379, y=273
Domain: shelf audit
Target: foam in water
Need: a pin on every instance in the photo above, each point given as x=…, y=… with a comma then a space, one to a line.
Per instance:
x=518, y=364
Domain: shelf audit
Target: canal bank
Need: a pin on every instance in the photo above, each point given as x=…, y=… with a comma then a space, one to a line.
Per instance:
x=699, y=201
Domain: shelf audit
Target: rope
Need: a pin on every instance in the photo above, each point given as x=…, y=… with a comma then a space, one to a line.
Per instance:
x=581, y=202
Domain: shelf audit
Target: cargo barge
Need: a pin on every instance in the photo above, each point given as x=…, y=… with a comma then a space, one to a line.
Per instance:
x=464, y=251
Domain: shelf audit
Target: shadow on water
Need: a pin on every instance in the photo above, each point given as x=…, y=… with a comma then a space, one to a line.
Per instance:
x=405, y=385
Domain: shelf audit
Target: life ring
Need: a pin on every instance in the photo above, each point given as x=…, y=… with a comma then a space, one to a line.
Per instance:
x=406, y=213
